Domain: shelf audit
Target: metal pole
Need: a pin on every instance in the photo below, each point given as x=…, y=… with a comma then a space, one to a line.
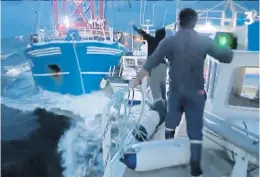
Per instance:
x=141, y=6
x=144, y=10
x=177, y=10
x=153, y=13
x=132, y=39
x=165, y=16
x=212, y=8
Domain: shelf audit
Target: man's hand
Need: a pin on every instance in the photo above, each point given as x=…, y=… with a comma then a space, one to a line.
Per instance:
x=138, y=30
x=134, y=83
x=137, y=81
x=135, y=28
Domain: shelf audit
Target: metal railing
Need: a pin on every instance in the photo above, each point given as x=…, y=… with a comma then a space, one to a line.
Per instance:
x=84, y=32
x=128, y=62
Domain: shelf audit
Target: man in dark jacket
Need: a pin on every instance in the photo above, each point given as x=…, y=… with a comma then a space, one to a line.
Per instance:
x=186, y=52
x=158, y=74
x=152, y=41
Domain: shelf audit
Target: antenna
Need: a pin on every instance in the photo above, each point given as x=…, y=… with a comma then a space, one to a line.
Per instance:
x=147, y=25
x=141, y=6
x=144, y=10
x=36, y=26
x=177, y=10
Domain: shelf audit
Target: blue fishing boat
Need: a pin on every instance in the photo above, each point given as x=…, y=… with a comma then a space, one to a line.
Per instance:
x=74, y=57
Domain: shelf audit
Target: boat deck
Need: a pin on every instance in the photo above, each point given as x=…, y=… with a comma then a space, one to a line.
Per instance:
x=214, y=163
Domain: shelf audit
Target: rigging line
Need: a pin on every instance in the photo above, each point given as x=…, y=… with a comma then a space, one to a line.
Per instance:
x=165, y=14
x=222, y=139
x=177, y=10
x=113, y=14
x=220, y=144
x=140, y=16
x=118, y=8
x=144, y=9
x=38, y=17
x=105, y=9
x=129, y=4
x=96, y=4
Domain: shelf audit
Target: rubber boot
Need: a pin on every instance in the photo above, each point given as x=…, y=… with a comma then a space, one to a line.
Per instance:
x=169, y=134
x=195, y=169
x=195, y=160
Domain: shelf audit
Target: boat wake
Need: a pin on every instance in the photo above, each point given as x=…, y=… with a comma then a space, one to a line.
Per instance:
x=41, y=129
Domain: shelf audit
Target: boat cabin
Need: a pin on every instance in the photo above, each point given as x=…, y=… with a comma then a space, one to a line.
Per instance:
x=233, y=89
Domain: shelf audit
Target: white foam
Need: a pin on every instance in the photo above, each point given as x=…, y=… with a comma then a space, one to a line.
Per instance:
x=80, y=141
x=5, y=56
x=14, y=71
x=84, y=105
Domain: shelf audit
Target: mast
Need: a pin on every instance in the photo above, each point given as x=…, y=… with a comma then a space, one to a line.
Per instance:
x=101, y=9
x=92, y=9
x=64, y=7
x=56, y=12
x=36, y=26
x=81, y=17
x=147, y=26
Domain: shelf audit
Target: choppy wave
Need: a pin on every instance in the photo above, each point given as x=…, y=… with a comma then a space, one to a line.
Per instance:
x=79, y=143
x=5, y=56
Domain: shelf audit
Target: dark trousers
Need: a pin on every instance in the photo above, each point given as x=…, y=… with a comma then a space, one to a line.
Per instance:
x=192, y=103
x=157, y=82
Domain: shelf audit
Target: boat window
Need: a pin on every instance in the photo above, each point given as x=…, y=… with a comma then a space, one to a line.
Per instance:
x=129, y=62
x=210, y=76
x=245, y=87
x=141, y=61
x=55, y=70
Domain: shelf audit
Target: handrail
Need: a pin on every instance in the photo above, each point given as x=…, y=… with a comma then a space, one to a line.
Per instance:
x=218, y=125
x=85, y=33
x=117, y=100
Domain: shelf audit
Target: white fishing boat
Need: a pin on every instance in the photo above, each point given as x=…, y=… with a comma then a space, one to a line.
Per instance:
x=231, y=120
x=130, y=65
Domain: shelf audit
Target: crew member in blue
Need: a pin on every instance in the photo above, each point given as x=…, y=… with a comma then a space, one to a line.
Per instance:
x=186, y=52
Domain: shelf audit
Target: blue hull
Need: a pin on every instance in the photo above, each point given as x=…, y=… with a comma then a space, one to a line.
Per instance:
x=72, y=67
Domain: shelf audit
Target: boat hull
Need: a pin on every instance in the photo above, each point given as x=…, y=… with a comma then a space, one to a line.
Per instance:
x=71, y=67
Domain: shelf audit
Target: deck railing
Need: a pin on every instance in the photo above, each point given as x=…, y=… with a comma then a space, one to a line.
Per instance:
x=127, y=63
x=101, y=34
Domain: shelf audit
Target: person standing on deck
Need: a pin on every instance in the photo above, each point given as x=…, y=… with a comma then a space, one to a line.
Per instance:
x=157, y=76
x=186, y=52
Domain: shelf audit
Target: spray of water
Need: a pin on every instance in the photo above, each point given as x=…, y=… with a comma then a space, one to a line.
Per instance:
x=79, y=143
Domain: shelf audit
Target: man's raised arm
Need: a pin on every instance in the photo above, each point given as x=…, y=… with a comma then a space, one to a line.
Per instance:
x=158, y=56
x=155, y=59
x=145, y=35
